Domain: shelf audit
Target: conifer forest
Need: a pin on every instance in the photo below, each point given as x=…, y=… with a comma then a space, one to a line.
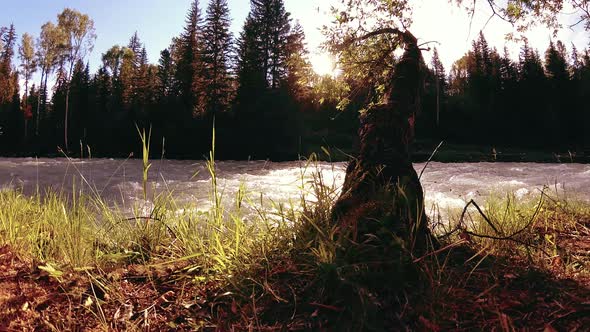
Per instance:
x=259, y=91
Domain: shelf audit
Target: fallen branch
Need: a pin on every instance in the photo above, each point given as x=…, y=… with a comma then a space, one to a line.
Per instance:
x=450, y=246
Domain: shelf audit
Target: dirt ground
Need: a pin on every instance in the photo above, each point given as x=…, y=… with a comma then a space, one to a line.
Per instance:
x=505, y=297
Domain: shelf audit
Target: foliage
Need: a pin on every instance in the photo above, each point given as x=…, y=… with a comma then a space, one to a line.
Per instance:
x=263, y=86
x=525, y=14
x=495, y=100
x=189, y=73
x=7, y=73
x=78, y=30
x=217, y=58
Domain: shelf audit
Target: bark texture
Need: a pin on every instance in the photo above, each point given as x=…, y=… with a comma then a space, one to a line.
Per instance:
x=381, y=183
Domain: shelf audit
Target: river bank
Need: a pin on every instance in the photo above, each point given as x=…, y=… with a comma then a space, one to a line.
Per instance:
x=270, y=184
x=422, y=151
x=489, y=153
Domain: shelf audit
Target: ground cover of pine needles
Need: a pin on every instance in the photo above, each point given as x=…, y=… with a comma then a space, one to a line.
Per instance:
x=76, y=263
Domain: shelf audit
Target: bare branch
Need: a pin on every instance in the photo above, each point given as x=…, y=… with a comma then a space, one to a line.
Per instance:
x=495, y=12
x=378, y=32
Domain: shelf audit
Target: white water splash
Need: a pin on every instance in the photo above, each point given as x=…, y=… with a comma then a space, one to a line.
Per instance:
x=271, y=184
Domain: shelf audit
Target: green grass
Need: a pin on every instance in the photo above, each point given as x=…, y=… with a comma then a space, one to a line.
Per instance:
x=535, y=227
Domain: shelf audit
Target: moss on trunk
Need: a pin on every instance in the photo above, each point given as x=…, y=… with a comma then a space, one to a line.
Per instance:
x=381, y=184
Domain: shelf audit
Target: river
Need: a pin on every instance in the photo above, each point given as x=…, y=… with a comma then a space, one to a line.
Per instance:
x=446, y=185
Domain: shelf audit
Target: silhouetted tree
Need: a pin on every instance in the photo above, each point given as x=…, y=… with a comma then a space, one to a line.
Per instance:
x=299, y=71
x=217, y=51
x=263, y=96
x=7, y=72
x=79, y=40
x=189, y=69
x=26, y=53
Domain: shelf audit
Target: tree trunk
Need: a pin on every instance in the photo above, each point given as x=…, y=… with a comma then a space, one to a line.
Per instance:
x=66, y=117
x=66, y=148
x=26, y=104
x=39, y=100
x=381, y=183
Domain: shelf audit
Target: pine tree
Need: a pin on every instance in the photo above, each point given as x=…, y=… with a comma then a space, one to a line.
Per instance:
x=274, y=22
x=263, y=105
x=142, y=87
x=165, y=76
x=263, y=49
x=251, y=72
x=139, y=79
x=556, y=63
x=530, y=65
x=189, y=71
x=217, y=51
x=80, y=88
x=531, y=89
x=299, y=71
x=136, y=46
x=102, y=87
x=560, y=107
x=576, y=64
x=486, y=54
x=11, y=117
x=508, y=70
x=7, y=73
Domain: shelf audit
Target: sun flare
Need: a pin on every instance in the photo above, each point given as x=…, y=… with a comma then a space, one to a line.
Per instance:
x=324, y=64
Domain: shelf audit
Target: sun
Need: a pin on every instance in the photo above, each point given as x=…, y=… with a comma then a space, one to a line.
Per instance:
x=324, y=64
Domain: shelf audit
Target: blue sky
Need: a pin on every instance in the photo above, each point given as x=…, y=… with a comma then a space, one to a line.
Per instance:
x=157, y=21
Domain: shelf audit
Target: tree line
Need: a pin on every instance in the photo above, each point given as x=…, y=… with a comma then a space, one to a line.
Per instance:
x=254, y=86
x=537, y=101
x=260, y=93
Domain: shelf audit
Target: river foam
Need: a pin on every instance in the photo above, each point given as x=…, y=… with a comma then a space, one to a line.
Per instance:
x=269, y=184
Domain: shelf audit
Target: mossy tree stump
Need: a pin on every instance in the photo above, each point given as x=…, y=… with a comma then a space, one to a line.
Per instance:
x=381, y=183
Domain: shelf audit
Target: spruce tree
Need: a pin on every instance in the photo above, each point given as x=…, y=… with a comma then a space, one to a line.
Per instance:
x=136, y=46
x=560, y=113
x=532, y=103
x=7, y=86
x=189, y=70
x=275, y=25
x=555, y=62
x=299, y=71
x=217, y=51
x=251, y=72
x=165, y=76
